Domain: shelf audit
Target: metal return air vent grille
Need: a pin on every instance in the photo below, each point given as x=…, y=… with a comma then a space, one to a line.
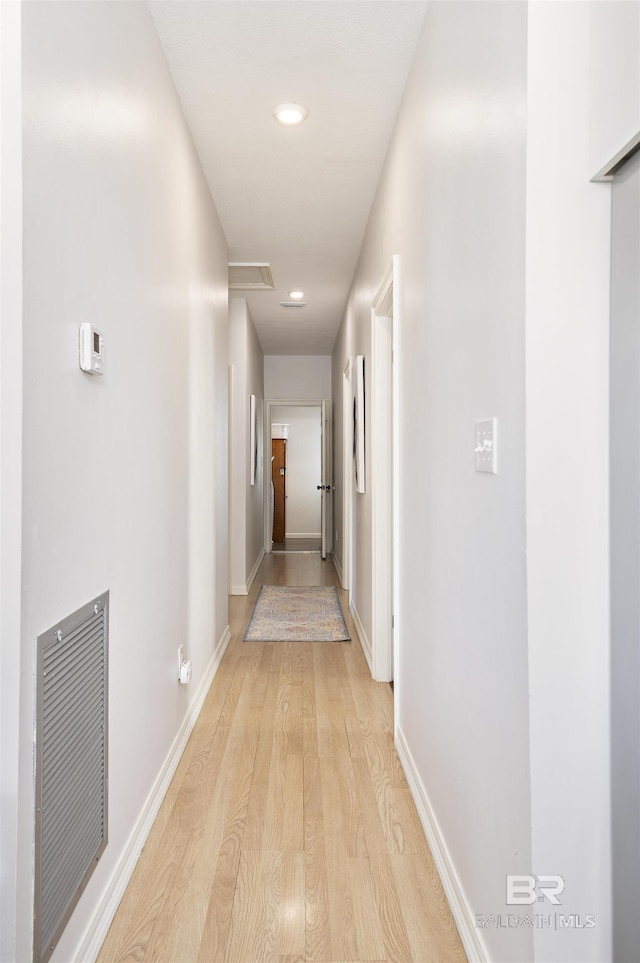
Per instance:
x=71, y=765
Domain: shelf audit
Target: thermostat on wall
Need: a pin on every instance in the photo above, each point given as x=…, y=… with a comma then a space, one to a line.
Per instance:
x=91, y=349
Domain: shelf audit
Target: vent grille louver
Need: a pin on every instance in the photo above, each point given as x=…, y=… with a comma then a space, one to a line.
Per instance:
x=71, y=765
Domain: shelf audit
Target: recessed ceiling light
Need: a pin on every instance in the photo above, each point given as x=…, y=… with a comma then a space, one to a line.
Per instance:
x=296, y=295
x=290, y=114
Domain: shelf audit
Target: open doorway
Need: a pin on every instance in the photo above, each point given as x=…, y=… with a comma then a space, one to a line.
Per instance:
x=296, y=469
x=298, y=479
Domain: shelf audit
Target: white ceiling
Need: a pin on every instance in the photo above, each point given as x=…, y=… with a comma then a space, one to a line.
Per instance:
x=298, y=198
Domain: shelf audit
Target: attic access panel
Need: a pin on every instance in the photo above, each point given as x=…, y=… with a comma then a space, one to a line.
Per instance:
x=250, y=276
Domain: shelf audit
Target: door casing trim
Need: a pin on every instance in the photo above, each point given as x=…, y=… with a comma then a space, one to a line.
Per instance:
x=266, y=466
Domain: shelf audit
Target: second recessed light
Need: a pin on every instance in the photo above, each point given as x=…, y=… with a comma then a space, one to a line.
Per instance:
x=290, y=114
x=296, y=295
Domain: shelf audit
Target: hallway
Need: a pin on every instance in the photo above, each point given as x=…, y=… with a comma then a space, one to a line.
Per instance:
x=288, y=832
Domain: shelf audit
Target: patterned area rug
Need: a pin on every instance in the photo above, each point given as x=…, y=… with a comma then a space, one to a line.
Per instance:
x=297, y=613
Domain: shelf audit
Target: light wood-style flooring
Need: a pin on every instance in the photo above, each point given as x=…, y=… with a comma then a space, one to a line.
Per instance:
x=288, y=833
x=297, y=545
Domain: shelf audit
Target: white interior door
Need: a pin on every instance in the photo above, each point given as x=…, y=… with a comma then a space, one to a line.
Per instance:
x=327, y=480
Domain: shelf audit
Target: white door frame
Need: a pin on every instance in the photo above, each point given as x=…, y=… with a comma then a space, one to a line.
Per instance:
x=383, y=436
x=268, y=405
x=230, y=505
x=326, y=472
x=347, y=477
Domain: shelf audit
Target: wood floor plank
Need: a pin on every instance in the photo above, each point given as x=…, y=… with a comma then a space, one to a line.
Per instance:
x=211, y=882
x=255, y=821
x=381, y=754
x=288, y=833
x=341, y=806
x=254, y=927
x=317, y=914
x=309, y=712
x=331, y=728
x=425, y=911
x=312, y=787
x=389, y=905
x=339, y=901
x=292, y=910
x=283, y=812
x=292, y=664
x=152, y=886
x=374, y=830
x=215, y=928
x=288, y=719
x=205, y=817
x=365, y=936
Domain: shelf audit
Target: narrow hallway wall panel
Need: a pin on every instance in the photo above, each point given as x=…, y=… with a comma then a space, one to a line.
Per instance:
x=625, y=558
x=297, y=377
x=247, y=521
x=125, y=476
x=254, y=493
x=10, y=459
x=583, y=101
x=502, y=685
x=451, y=204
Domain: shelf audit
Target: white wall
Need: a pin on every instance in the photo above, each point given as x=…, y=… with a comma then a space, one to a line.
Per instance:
x=610, y=80
x=10, y=459
x=255, y=497
x=247, y=522
x=297, y=377
x=125, y=476
x=624, y=482
x=304, y=468
x=473, y=646
x=238, y=442
x=583, y=106
x=451, y=203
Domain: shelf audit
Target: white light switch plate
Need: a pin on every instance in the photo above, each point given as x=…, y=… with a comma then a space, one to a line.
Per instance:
x=487, y=445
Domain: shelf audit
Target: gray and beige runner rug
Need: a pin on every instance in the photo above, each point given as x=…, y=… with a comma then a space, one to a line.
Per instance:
x=297, y=613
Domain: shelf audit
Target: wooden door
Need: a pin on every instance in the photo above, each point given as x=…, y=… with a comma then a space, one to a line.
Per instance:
x=279, y=479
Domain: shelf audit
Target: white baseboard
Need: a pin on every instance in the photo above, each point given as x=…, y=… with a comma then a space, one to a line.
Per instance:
x=471, y=939
x=303, y=534
x=338, y=567
x=95, y=934
x=254, y=570
x=244, y=589
x=362, y=635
